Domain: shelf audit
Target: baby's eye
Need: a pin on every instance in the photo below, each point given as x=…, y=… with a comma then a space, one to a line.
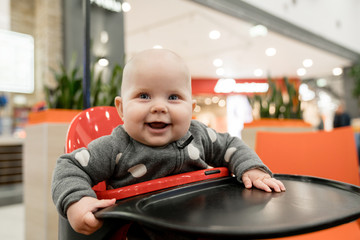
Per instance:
x=144, y=96
x=173, y=97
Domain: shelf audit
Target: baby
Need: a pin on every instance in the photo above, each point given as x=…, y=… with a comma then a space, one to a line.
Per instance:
x=158, y=138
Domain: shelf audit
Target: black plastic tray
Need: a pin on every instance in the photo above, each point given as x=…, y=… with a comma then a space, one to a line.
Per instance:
x=224, y=208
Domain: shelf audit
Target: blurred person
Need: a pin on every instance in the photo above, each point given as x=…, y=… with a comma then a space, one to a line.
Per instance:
x=341, y=118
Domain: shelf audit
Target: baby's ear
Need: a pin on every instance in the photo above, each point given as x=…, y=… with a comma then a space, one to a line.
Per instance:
x=193, y=104
x=119, y=106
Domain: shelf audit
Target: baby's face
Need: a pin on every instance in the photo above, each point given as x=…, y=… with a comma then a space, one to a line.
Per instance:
x=156, y=103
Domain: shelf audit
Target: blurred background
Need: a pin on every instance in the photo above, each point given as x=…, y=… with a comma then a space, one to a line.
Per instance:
x=246, y=44
x=293, y=61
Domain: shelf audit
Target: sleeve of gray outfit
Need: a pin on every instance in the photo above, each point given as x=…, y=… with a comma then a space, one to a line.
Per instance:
x=222, y=149
x=77, y=172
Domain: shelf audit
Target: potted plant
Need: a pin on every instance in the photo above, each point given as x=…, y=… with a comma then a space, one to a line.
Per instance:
x=65, y=99
x=280, y=102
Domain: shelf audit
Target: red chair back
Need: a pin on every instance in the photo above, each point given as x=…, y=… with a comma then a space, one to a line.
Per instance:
x=89, y=125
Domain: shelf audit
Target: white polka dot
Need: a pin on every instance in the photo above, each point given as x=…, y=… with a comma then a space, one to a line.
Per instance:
x=212, y=134
x=83, y=157
x=138, y=170
x=229, y=152
x=194, y=153
x=118, y=158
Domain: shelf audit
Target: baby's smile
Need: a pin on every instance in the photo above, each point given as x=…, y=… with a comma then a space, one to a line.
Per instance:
x=157, y=125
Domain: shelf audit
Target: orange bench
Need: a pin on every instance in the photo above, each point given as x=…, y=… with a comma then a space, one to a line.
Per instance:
x=323, y=154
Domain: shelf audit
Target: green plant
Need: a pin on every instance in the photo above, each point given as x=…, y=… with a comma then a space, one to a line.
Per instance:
x=355, y=74
x=103, y=92
x=68, y=92
x=280, y=101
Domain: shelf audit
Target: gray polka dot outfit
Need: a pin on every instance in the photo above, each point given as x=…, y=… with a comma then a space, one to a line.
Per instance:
x=120, y=160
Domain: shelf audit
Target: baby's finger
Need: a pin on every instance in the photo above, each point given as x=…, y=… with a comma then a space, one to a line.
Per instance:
x=275, y=184
x=104, y=203
x=91, y=222
x=282, y=186
x=261, y=185
x=272, y=184
x=247, y=182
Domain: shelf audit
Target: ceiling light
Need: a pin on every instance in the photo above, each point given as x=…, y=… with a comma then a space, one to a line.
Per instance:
x=258, y=30
x=220, y=71
x=270, y=52
x=111, y=5
x=215, y=99
x=337, y=71
x=157, y=47
x=214, y=34
x=258, y=72
x=272, y=108
x=301, y=72
x=104, y=62
x=307, y=63
x=321, y=82
x=197, y=109
x=207, y=101
x=218, y=62
x=222, y=103
x=126, y=7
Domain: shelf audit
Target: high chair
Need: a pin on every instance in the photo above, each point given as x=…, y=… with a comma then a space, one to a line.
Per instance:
x=330, y=155
x=89, y=125
x=185, y=204
x=93, y=123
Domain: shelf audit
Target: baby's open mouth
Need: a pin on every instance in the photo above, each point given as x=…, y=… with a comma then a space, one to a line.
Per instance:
x=158, y=125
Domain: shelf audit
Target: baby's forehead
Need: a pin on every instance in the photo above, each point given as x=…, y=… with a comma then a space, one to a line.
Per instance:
x=155, y=61
x=156, y=57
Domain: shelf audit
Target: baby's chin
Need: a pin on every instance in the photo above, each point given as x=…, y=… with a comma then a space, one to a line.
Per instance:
x=154, y=143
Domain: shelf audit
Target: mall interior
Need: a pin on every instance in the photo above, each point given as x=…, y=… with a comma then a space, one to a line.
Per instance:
x=276, y=66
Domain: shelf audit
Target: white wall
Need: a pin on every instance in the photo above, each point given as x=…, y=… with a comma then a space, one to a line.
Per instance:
x=333, y=19
x=5, y=14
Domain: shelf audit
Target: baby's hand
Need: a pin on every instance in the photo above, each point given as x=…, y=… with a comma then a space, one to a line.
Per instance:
x=261, y=180
x=81, y=217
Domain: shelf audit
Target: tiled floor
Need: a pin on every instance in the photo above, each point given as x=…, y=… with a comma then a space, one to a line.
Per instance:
x=12, y=218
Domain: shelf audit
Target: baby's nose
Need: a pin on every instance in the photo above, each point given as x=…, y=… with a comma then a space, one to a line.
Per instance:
x=159, y=108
